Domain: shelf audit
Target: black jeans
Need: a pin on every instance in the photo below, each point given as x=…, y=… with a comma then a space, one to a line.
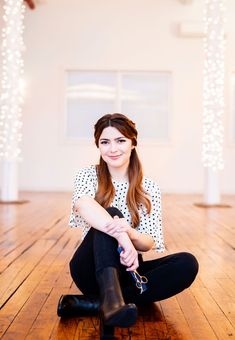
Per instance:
x=166, y=276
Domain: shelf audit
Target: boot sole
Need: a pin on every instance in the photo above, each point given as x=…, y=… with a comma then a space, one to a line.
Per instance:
x=124, y=317
x=77, y=305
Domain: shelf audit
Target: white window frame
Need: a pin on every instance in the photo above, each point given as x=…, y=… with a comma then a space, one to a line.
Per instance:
x=119, y=73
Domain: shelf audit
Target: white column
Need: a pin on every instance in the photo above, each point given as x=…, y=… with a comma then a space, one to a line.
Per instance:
x=211, y=187
x=9, y=183
x=213, y=99
x=11, y=100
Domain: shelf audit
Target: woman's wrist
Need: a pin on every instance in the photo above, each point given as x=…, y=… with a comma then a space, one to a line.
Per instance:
x=132, y=233
x=122, y=237
x=141, y=241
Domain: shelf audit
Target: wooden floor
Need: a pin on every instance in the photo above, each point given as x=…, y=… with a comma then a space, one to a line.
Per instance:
x=36, y=245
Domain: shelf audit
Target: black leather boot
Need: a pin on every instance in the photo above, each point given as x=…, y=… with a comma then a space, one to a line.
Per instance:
x=113, y=308
x=77, y=305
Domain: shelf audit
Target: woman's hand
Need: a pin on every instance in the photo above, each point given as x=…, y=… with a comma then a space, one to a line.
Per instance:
x=118, y=226
x=129, y=255
x=120, y=229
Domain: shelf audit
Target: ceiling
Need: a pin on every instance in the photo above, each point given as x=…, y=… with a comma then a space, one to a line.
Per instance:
x=32, y=3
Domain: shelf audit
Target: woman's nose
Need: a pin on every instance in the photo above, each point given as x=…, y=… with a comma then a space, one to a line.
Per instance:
x=113, y=147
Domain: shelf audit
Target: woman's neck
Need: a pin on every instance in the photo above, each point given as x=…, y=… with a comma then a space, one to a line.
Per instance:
x=119, y=174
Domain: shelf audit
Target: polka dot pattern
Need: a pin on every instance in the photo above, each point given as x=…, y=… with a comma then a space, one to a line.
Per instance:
x=86, y=184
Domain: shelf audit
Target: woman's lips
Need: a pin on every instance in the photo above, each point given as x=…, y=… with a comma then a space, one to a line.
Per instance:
x=114, y=157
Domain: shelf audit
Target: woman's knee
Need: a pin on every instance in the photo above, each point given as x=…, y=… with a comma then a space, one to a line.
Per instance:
x=101, y=238
x=189, y=265
x=113, y=211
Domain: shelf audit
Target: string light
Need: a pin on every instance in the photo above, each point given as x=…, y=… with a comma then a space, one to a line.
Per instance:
x=11, y=99
x=213, y=92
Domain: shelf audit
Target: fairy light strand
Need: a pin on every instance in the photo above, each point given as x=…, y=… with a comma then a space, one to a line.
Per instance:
x=213, y=98
x=11, y=99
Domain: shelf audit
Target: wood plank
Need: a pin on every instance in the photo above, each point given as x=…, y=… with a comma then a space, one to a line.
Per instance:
x=221, y=326
x=36, y=246
x=195, y=317
x=177, y=326
x=39, y=281
x=222, y=298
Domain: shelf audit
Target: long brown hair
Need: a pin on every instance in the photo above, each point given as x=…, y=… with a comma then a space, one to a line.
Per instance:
x=105, y=193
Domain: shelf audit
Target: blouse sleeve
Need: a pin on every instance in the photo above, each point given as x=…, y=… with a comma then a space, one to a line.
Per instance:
x=151, y=224
x=84, y=184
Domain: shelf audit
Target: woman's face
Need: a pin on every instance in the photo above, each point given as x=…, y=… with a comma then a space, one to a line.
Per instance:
x=115, y=148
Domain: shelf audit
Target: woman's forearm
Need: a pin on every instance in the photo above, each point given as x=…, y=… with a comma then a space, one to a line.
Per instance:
x=99, y=218
x=140, y=241
x=92, y=212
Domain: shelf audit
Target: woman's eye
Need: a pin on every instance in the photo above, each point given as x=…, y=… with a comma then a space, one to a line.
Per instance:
x=121, y=140
x=104, y=142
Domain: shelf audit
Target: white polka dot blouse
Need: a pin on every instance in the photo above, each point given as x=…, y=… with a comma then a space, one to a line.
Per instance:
x=86, y=183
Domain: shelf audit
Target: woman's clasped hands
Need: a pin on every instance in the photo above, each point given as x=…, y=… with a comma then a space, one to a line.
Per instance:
x=118, y=226
x=120, y=229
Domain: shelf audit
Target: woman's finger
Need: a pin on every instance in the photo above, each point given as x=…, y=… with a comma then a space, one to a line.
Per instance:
x=134, y=266
x=130, y=260
x=122, y=262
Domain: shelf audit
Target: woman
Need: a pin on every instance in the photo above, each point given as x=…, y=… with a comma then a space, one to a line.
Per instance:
x=118, y=207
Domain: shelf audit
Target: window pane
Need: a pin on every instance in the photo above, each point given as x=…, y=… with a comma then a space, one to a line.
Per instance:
x=145, y=97
x=89, y=96
x=82, y=115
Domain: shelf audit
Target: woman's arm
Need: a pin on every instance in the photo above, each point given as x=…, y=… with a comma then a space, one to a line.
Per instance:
x=95, y=215
x=100, y=219
x=92, y=212
x=142, y=242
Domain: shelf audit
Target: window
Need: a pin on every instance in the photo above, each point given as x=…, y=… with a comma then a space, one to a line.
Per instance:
x=142, y=96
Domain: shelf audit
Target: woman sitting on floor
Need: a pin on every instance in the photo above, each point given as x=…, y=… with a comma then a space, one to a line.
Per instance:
x=119, y=208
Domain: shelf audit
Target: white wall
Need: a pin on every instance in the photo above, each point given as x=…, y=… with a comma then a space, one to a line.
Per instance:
x=124, y=34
